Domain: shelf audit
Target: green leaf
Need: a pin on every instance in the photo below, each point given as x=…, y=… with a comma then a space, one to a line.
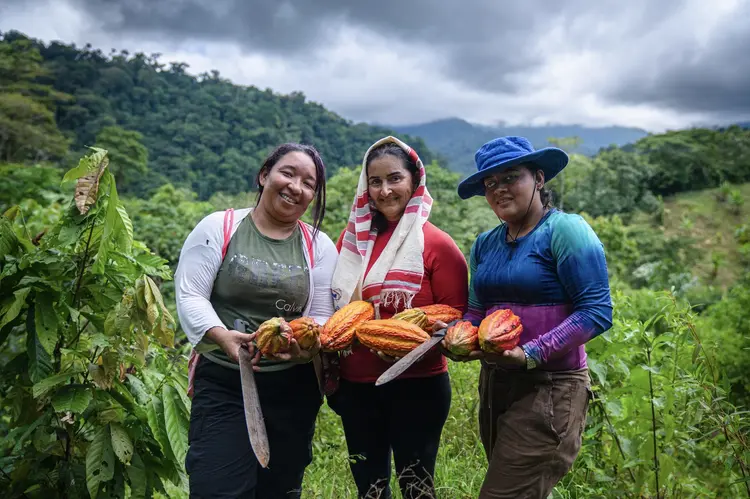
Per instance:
x=72, y=398
x=155, y=413
x=13, y=308
x=46, y=321
x=121, y=443
x=47, y=384
x=138, y=389
x=125, y=225
x=100, y=460
x=86, y=165
x=8, y=238
x=40, y=363
x=137, y=476
x=177, y=421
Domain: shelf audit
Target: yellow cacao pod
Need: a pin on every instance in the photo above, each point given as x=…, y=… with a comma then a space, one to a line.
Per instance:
x=338, y=332
x=391, y=336
x=273, y=336
x=414, y=316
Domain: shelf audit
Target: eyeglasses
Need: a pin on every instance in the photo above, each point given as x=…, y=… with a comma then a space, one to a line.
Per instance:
x=503, y=179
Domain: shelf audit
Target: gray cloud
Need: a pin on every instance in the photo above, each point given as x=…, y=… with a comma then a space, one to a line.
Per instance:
x=711, y=76
x=642, y=62
x=487, y=44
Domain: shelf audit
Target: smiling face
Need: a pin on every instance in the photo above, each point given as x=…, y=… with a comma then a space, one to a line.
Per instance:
x=390, y=185
x=509, y=193
x=288, y=186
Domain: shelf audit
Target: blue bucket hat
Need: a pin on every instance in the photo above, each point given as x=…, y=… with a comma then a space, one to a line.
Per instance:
x=504, y=152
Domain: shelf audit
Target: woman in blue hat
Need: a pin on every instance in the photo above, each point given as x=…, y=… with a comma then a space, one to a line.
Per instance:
x=549, y=268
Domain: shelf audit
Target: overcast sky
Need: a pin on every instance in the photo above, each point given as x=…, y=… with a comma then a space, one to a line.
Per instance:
x=654, y=64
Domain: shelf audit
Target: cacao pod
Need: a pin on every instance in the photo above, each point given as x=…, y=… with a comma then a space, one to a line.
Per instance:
x=461, y=338
x=500, y=331
x=273, y=336
x=305, y=331
x=338, y=332
x=440, y=312
x=414, y=316
x=393, y=337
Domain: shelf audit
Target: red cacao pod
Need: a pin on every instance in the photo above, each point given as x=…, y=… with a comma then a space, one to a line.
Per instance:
x=500, y=331
x=461, y=338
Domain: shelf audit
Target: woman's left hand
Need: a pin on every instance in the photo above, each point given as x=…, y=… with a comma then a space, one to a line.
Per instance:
x=515, y=357
x=296, y=354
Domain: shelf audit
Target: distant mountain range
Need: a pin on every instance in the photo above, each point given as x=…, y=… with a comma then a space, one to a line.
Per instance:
x=457, y=140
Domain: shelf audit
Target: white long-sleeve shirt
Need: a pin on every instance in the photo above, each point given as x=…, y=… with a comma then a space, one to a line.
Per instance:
x=201, y=258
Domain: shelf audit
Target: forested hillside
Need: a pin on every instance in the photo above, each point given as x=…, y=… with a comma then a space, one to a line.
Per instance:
x=203, y=132
x=457, y=140
x=93, y=365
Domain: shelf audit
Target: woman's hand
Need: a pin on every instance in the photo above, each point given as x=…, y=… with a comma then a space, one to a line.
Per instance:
x=515, y=357
x=230, y=341
x=297, y=355
x=385, y=357
x=474, y=355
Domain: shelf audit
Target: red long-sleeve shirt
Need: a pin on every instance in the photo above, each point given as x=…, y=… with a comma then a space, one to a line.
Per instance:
x=445, y=281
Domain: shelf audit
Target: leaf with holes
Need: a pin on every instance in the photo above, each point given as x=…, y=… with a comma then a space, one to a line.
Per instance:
x=46, y=321
x=121, y=443
x=100, y=460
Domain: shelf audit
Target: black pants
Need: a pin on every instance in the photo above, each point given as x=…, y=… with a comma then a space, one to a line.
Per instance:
x=405, y=416
x=220, y=460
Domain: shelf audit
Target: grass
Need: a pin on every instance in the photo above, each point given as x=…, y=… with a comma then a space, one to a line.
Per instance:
x=461, y=462
x=710, y=217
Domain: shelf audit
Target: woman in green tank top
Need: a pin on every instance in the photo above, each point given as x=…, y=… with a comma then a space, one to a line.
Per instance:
x=260, y=263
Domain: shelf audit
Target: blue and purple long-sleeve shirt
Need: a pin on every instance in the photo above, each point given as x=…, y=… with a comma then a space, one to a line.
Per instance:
x=554, y=279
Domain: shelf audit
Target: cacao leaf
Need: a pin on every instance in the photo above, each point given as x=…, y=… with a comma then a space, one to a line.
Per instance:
x=126, y=400
x=40, y=364
x=46, y=321
x=152, y=264
x=155, y=413
x=72, y=398
x=137, y=477
x=100, y=460
x=177, y=421
x=8, y=238
x=101, y=377
x=49, y=383
x=125, y=234
x=12, y=212
x=87, y=186
x=121, y=443
x=12, y=308
x=85, y=165
x=138, y=389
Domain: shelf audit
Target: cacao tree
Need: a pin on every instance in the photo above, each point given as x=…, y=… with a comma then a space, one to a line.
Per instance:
x=91, y=397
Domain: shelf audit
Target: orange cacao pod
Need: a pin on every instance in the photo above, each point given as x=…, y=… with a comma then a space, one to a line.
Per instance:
x=273, y=336
x=439, y=312
x=461, y=338
x=393, y=337
x=338, y=332
x=414, y=316
x=500, y=331
x=305, y=331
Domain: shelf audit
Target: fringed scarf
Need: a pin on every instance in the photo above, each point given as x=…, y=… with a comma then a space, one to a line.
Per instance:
x=396, y=276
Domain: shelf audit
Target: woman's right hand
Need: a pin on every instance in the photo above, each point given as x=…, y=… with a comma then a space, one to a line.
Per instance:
x=230, y=341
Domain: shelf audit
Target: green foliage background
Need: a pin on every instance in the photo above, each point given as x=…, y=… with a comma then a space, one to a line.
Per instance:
x=93, y=366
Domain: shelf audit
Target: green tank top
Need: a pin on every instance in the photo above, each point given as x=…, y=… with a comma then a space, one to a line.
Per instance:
x=260, y=278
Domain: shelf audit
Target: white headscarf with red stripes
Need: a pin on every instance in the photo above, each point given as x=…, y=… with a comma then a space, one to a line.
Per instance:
x=396, y=276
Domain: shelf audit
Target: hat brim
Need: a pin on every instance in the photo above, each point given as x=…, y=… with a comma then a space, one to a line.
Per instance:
x=550, y=160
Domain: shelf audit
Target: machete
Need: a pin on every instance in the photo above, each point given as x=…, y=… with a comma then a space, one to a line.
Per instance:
x=256, y=428
x=410, y=358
